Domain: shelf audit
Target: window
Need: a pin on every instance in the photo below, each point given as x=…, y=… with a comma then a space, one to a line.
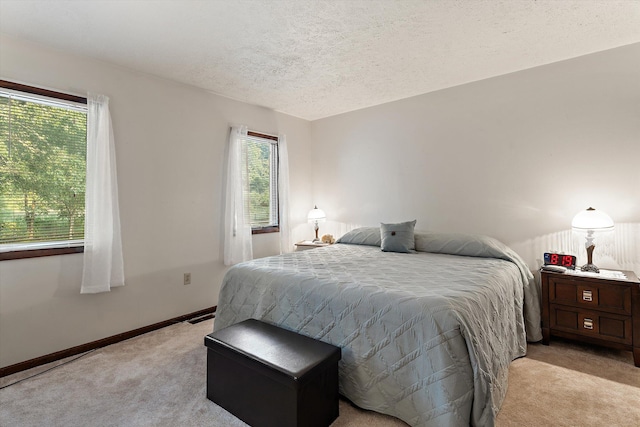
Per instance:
x=261, y=154
x=43, y=142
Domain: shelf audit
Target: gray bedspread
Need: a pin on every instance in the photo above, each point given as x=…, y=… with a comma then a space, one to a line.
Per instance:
x=425, y=337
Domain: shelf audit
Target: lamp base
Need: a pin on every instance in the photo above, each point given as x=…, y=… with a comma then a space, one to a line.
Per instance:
x=590, y=267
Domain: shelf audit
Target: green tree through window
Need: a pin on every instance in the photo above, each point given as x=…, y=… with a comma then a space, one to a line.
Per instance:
x=42, y=169
x=261, y=154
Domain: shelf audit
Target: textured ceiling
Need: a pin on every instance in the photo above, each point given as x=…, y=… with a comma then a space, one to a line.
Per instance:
x=314, y=59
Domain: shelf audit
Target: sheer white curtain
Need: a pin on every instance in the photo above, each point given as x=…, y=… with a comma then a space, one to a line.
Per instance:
x=283, y=189
x=237, y=226
x=103, y=264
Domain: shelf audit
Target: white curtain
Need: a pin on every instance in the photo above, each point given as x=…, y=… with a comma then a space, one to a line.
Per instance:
x=283, y=188
x=103, y=264
x=237, y=226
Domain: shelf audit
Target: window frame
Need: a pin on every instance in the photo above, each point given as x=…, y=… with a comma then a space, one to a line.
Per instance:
x=270, y=228
x=59, y=248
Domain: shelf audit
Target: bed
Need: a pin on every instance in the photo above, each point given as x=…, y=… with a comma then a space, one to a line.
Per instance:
x=426, y=336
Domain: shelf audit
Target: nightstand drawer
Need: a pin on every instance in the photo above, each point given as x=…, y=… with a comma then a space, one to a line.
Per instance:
x=594, y=296
x=596, y=324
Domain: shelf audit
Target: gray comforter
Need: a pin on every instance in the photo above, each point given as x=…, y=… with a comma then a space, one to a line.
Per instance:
x=425, y=337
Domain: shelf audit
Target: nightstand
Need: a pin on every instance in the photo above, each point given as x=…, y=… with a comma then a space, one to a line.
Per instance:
x=308, y=244
x=592, y=308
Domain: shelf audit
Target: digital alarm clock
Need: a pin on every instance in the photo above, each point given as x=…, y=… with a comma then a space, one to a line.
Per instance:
x=564, y=260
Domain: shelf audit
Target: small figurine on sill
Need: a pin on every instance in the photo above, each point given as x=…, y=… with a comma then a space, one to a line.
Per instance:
x=328, y=238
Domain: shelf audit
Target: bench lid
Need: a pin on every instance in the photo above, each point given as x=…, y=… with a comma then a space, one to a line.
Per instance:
x=283, y=350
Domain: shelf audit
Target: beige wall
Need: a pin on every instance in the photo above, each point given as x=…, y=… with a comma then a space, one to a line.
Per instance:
x=514, y=157
x=170, y=142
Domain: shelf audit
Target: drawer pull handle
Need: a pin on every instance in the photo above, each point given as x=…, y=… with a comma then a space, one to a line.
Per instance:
x=587, y=296
x=588, y=323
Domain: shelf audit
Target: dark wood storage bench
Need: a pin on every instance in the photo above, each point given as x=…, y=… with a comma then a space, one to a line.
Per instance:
x=269, y=376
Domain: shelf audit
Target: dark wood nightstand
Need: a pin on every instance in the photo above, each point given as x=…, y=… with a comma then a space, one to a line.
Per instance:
x=592, y=308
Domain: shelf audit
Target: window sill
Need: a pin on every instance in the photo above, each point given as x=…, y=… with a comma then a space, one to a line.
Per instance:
x=265, y=230
x=34, y=250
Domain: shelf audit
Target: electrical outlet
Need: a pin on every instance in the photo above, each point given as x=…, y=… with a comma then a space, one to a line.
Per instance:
x=187, y=278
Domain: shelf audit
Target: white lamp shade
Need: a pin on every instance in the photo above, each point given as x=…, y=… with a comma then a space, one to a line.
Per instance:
x=316, y=215
x=592, y=219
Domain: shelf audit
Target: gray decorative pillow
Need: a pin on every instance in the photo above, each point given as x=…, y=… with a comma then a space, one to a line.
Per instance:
x=398, y=237
x=369, y=236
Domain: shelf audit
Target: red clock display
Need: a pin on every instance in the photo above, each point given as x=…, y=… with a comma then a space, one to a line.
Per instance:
x=564, y=260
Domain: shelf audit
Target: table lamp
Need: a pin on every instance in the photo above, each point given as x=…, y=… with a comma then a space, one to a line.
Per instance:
x=315, y=216
x=591, y=221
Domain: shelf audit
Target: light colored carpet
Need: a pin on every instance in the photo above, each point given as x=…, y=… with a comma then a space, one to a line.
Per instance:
x=159, y=379
x=572, y=384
